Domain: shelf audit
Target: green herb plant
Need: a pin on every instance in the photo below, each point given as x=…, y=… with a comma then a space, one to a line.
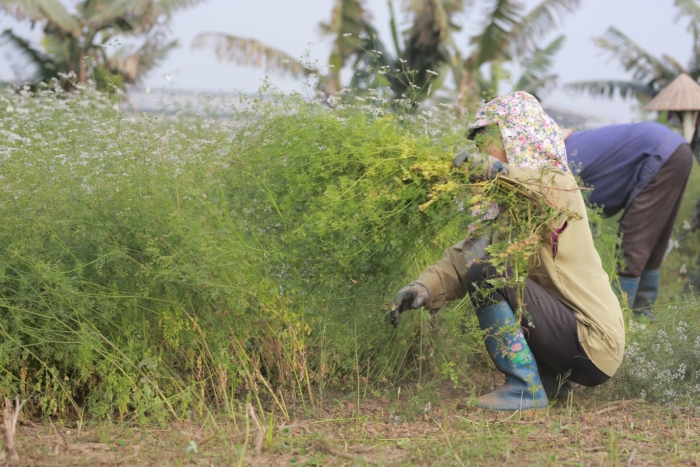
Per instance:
x=169, y=266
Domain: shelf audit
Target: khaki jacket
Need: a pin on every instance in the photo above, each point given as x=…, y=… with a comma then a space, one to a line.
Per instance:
x=576, y=276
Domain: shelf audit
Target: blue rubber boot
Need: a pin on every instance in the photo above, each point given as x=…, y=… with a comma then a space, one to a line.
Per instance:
x=507, y=347
x=647, y=293
x=628, y=286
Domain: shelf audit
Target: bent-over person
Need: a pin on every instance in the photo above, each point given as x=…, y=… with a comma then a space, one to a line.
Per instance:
x=640, y=169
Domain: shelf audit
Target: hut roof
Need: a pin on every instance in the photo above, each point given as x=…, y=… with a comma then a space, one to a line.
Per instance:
x=683, y=94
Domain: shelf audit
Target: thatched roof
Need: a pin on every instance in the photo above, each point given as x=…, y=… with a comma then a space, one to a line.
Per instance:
x=683, y=94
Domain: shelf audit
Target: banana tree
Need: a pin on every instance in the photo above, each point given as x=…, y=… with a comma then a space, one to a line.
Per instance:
x=425, y=46
x=419, y=57
x=511, y=35
x=536, y=76
x=75, y=42
x=357, y=45
x=508, y=35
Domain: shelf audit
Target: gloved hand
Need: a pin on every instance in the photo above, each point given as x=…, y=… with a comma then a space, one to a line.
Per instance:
x=490, y=166
x=415, y=295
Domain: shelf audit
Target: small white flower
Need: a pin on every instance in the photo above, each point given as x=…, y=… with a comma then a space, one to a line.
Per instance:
x=347, y=34
x=683, y=269
x=431, y=72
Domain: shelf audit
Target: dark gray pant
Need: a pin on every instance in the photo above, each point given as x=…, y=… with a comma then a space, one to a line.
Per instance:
x=550, y=326
x=647, y=224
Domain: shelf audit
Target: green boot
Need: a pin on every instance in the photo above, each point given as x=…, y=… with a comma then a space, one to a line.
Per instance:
x=647, y=293
x=507, y=347
x=628, y=286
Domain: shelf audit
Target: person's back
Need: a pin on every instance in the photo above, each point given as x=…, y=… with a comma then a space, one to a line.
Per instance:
x=618, y=161
x=641, y=168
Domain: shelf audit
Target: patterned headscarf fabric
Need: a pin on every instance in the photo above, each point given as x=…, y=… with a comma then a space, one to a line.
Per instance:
x=530, y=137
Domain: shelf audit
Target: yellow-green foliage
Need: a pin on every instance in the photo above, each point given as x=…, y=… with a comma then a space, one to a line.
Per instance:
x=164, y=266
x=155, y=266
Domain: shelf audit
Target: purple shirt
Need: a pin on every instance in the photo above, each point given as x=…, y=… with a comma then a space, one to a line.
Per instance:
x=618, y=161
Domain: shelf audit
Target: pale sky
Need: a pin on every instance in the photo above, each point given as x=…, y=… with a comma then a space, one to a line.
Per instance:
x=291, y=25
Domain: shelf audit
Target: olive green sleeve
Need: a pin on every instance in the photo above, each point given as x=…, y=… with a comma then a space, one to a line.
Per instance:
x=447, y=279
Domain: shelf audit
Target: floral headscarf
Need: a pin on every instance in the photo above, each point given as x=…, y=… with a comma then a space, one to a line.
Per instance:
x=530, y=137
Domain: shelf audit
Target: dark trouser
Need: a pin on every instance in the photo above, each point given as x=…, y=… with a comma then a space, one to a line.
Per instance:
x=647, y=224
x=550, y=327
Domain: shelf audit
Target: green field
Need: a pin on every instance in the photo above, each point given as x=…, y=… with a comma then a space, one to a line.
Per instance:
x=166, y=276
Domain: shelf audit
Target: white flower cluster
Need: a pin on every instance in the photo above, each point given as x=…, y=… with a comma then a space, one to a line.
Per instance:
x=663, y=365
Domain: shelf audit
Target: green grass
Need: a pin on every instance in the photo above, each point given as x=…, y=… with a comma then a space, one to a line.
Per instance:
x=162, y=267
x=578, y=434
x=158, y=270
x=674, y=280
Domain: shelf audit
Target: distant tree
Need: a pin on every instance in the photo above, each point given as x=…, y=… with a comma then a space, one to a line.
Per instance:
x=429, y=47
x=425, y=52
x=648, y=74
x=75, y=42
x=511, y=35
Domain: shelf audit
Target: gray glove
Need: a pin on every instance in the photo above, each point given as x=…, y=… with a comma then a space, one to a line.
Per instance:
x=490, y=166
x=415, y=295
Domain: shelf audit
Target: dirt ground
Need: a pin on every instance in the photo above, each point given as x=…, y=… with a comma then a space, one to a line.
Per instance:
x=446, y=432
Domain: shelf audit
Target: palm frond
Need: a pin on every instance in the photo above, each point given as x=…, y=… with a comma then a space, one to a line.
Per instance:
x=100, y=14
x=152, y=55
x=248, y=52
x=541, y=86
x=140, y=14
x=64, y=52
x=494, y=40
x=135, y=66
x=688, y=8
x=168, y=7
x=673, y=64
x=349, y=20
x=394, y=29
x=644, y=66
x=694, y=64
x=370, y=54
x=609, y=88
x=424, y=40
x=537, y=65
x=42, y=66
x=40, y=10
x=538, y=22
x=541, y=60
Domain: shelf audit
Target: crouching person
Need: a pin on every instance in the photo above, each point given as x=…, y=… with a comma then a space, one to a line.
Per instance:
x=574, y=328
